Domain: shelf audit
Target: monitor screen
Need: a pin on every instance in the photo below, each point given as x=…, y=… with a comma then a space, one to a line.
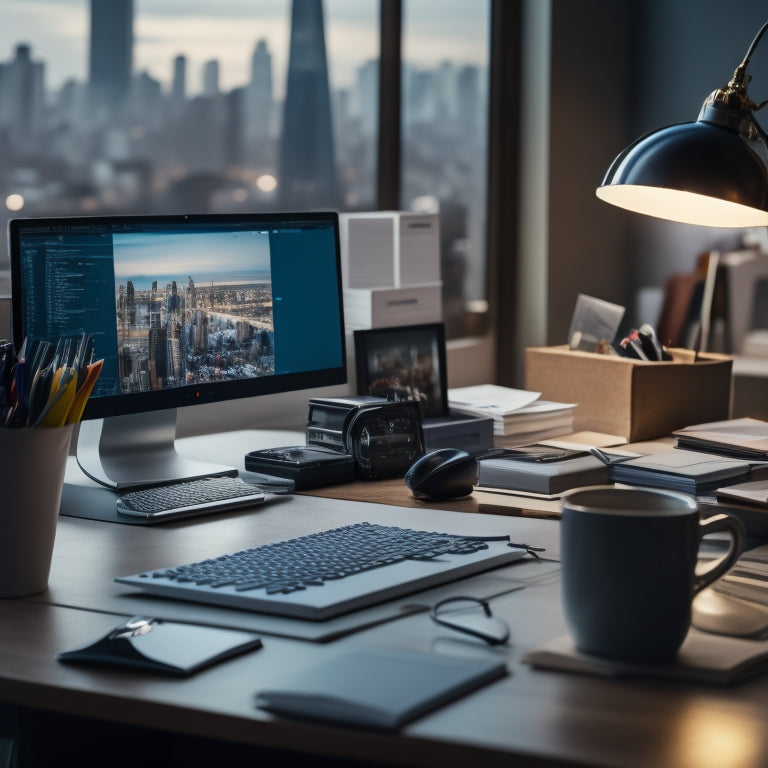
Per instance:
x=185, y=309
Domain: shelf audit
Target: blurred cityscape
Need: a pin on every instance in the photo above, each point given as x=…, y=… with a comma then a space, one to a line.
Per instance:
x=121, y=143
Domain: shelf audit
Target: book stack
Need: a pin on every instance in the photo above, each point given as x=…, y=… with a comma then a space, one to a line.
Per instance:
x=519, y=417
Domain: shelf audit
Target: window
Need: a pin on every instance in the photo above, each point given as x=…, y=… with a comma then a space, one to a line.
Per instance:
x=444, y=132
x=121, y=106
x=139, y=106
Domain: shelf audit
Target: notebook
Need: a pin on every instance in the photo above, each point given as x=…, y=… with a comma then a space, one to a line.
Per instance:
x=542, y=477
x=380, y=689
x=745, y=438
x=691, y=472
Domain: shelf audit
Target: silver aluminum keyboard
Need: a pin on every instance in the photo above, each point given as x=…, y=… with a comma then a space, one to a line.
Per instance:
x=330, y=572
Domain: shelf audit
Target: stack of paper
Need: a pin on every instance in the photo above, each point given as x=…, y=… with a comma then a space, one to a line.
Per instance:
x=519, y=416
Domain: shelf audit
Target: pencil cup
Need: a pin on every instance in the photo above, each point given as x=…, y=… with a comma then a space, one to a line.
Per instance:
x=32, y=465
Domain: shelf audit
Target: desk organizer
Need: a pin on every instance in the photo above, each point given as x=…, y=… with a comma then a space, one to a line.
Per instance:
x=634, y=399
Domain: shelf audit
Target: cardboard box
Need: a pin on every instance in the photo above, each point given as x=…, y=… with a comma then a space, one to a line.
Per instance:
x=634, y=399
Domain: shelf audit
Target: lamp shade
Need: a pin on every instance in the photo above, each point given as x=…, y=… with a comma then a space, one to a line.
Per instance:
x=710, y=173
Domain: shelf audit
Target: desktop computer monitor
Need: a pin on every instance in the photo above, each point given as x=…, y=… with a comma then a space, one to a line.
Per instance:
x=183, y=310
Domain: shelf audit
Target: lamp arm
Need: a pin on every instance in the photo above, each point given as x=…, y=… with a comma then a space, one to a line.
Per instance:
x=735, y=95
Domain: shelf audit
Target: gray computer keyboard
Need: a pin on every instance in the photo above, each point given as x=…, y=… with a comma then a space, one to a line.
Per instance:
x=190, y=497
x=330, y=572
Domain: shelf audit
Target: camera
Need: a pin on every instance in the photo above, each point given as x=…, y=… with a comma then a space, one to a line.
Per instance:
x=384, y=437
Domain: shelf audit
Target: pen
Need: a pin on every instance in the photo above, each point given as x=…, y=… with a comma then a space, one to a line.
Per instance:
x=20, y=409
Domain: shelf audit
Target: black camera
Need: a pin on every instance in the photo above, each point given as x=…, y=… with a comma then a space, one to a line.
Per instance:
x=383, y=437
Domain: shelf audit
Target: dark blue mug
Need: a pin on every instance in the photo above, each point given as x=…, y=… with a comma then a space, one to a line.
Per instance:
x=629, y=568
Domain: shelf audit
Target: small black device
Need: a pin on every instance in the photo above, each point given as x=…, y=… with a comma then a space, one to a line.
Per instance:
x=307, y=466
x=383, y=437
x=446, y=473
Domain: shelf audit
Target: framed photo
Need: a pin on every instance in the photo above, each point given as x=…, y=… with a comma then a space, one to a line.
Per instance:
x=404, y=363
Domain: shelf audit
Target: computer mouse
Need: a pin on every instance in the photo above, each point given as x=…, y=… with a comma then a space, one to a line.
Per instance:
x=446, y=473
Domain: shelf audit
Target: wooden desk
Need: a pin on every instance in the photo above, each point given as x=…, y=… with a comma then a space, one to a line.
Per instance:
x=232, y=446
x=91, y=716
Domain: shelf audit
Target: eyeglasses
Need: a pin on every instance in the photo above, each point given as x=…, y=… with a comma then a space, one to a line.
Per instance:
x=472, y=616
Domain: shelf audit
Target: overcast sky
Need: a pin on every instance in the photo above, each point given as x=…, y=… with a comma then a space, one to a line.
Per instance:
x=228, y=30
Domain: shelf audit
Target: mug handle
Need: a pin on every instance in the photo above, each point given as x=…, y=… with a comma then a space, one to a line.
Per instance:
x=717, y=568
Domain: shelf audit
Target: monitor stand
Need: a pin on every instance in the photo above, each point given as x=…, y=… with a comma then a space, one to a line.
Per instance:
x=137, y=449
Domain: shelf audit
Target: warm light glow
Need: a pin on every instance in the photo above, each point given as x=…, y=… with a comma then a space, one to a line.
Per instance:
x=685, y=207
x=707, y=736
x=240, y=195
x=14, y=202
x=266, y=183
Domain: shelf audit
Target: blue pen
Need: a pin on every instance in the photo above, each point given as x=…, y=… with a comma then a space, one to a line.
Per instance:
x=20, y=410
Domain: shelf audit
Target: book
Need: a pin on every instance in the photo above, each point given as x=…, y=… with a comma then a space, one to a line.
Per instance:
x=541, y=477
x=380, y=689
x=740, y=438
x=703, y=658
x=690, y=472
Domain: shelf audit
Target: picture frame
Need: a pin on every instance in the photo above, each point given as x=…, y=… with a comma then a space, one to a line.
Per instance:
x=404, y=362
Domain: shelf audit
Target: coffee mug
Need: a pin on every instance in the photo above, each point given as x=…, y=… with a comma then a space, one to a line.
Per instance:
x=629, y=568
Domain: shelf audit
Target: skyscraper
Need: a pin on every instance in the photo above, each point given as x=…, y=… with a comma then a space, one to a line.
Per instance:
x=258, y=106
x=307, y=175
x=111, y=55
x=22, y=99
x=211, y=78
x=179, y=86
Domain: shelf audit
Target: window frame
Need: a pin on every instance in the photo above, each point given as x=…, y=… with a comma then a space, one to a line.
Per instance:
x=502, y=160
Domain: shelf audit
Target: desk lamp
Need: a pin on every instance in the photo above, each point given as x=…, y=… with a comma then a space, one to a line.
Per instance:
x=712, y=172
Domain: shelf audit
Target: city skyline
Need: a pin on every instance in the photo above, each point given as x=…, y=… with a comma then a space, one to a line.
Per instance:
x=57, y=32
